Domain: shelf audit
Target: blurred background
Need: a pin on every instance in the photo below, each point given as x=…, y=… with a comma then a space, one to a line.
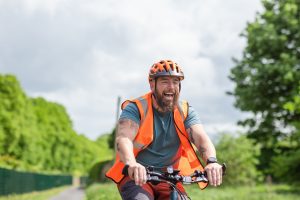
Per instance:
x=66, y=65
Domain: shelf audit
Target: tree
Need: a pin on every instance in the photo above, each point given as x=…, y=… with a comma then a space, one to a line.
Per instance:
x=267, y=77
x=38, y=135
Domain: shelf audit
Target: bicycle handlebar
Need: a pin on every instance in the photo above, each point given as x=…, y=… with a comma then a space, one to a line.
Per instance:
x=173, y=176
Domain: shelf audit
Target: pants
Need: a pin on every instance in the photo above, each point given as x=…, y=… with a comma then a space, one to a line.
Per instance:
x=162, y=191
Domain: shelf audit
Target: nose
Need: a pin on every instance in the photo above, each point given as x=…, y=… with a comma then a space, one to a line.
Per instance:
x=173, y=85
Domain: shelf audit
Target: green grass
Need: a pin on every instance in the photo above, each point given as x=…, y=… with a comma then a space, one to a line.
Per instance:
x=41, y=195
x=260, y=192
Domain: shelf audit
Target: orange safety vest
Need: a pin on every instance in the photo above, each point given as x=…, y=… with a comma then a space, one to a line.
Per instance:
x=188, y=161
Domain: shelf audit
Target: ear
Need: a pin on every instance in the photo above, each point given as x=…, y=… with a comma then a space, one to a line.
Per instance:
x=152, y=85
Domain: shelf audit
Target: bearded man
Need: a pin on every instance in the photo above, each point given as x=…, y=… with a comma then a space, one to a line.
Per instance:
x=157, y=130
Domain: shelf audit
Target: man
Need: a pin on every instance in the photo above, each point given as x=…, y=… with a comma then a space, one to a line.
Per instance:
x=158, y=130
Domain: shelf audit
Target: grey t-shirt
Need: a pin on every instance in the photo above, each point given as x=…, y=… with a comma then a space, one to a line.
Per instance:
x=163, y=149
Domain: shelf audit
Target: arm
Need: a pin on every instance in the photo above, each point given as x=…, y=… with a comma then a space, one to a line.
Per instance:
x=206, y=149
x=126, y=132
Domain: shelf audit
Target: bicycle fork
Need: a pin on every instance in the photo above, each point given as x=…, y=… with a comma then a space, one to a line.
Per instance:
x=174, y=194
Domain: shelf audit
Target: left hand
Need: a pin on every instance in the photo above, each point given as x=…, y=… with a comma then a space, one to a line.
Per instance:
x=214, y=173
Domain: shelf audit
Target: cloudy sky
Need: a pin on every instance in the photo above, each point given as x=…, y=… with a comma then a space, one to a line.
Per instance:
x=85, y=53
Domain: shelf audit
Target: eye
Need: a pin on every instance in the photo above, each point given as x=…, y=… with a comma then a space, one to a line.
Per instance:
x=176, y=82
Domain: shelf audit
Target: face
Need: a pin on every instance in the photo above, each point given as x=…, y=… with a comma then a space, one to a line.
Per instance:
x=166, y=92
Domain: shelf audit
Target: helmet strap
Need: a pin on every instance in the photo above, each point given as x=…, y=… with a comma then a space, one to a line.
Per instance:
x=155, y=82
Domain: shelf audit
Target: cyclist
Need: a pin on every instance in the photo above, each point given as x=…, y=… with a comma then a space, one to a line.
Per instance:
x=158, y=130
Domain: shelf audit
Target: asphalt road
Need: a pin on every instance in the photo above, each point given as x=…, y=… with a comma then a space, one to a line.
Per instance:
x=74, y=193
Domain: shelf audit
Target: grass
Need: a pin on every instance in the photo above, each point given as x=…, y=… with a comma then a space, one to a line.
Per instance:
x=260, y=192
x=41, y=195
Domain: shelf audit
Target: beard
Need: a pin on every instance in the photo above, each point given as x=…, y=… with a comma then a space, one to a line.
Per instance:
x=167, y=105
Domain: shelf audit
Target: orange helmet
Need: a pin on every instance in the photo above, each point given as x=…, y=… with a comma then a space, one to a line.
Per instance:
x=165, y=68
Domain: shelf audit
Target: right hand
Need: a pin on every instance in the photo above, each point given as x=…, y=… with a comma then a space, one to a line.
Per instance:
x=137, y=172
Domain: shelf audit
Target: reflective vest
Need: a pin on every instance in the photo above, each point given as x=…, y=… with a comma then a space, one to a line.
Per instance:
x=188, y=161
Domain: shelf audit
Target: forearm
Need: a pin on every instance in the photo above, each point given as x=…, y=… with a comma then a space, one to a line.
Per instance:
x=202, y=142
x=126, y=132
x=125, y=149
x=206, y=148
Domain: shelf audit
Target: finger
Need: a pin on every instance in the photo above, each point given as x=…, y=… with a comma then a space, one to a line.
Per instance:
x=218, y=177
x=136, y=176
x=141, y=176
x=145, y=175
x=209, y=176
x=131, y=173
x=214, y=177
x=221, y=175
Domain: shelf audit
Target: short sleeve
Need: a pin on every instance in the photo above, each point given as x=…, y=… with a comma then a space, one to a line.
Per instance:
x=131, y=112
x=192, y=118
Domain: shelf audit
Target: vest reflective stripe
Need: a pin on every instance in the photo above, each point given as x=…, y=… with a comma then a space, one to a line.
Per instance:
x=184, y=109
x=188, y=161
x=138, y=145
x=144, y=105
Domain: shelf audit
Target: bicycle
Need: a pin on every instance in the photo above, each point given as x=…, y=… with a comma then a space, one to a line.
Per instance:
x=172, y=177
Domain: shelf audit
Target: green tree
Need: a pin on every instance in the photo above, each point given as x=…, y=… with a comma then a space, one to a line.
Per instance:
x=17, y=122
x=111, y=140
x=38, y=135
x=286, y=165
x=267, y=77
x=241, y=157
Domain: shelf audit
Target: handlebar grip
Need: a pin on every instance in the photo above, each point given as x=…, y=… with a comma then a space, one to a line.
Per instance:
x=125, y=170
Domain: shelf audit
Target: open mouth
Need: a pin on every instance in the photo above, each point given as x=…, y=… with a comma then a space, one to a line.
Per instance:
x=168, y=95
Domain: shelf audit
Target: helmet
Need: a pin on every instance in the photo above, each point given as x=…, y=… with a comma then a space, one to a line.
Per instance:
x=165, y=68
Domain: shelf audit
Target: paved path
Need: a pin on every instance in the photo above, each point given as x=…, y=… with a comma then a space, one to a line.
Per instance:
x=74, y=193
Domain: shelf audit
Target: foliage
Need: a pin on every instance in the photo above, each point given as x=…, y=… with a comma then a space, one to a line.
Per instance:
x=267, y=78
x=240, y=155
x=97, y=172
x=111, y=140
x=274, y=192
x=103, y=141
x=284, y=173
x=38, y=135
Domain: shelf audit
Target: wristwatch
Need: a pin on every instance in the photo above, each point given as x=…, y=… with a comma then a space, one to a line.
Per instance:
x=211, y=160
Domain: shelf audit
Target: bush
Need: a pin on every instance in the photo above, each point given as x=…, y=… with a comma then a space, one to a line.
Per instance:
x=97, y=172
x=285, y=167
x=240, y=155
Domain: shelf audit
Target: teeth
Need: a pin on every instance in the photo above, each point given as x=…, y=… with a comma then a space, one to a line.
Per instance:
x=168, y=94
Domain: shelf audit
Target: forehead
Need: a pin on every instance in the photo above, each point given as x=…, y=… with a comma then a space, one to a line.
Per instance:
x=173, y=78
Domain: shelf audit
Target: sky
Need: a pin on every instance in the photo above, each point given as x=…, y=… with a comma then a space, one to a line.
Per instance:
x=83, y=54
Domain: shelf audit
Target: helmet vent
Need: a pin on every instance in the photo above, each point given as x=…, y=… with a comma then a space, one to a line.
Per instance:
x=165, y=67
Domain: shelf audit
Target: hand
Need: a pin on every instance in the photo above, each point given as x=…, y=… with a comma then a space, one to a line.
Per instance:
x=138, y=173
x=214, y=173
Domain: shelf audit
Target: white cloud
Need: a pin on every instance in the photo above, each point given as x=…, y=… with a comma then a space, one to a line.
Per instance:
x=83, y=54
